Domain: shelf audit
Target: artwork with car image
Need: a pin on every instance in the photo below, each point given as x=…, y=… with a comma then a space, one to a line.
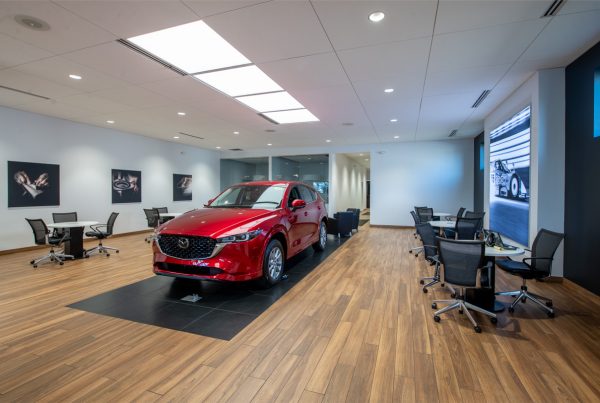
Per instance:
x=33, y=184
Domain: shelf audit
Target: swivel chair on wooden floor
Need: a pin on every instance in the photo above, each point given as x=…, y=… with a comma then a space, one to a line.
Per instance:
x=42, y=236
x=100, y=234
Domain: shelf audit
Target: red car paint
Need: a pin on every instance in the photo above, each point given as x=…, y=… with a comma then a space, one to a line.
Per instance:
x=297, y=229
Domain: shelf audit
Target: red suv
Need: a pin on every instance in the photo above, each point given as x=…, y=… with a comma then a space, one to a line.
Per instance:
x=246, y=232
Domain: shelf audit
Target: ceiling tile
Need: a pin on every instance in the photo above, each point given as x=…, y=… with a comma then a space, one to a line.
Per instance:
x=205, y=8
x=464, y=80
x=579, y=6
x=130, y=18
x=14, y=52
x=67, y=31
x=272, y=31
x=93, y=104
x=497, y=45
x=133, y=96
x=348, y=26
x=56, y=109
x=30, y=83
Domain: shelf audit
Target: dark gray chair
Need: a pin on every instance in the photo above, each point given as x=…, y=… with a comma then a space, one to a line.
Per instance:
x=356, y=220
x=100, y=232
x=160, y=210
x=462, y=263
x=537, y=267
x=63, y=217
x=466, y=228
x=42, y=236
x=425, y=214
x=340, y=224
x=430, y=251
x=473, y=214
x=153, y=219
x=461, y=211
x=417, y=249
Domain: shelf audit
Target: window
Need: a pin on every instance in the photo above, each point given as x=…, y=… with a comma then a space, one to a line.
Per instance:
x=294, y=194
x=597, y=102
x=306, y=194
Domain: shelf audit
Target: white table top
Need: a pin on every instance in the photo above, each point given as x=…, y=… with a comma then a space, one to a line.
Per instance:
x=170, y=214
x=444, y=214
x=443, y=224
x=492, y=251
x=72, y=224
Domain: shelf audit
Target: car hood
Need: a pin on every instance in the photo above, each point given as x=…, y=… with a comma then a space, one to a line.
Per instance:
x=216, y=222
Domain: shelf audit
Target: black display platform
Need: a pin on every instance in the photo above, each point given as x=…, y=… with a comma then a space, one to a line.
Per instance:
x=223, y=310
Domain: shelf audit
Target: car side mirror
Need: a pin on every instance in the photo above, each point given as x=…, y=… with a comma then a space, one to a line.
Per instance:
x=298, y=204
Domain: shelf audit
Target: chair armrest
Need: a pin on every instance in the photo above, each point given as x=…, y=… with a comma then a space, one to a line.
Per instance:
x=489, y=267
x=535, y=258
x=96, y=227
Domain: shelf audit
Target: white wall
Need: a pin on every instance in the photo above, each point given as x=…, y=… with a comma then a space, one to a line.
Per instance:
x=86, y=155
x=437, y=174
x=348, y=184
x=545, y=92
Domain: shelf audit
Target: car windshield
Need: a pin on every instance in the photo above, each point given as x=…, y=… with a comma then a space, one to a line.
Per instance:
x=251, y=196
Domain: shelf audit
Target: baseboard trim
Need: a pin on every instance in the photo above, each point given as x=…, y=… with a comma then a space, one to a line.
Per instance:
x=85, y=240
x=391, y=226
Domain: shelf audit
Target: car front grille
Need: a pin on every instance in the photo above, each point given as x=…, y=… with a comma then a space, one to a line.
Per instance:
x=188, y=270
x=186, y=247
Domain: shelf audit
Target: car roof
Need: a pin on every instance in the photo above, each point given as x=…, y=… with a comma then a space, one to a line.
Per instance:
x=269, y=183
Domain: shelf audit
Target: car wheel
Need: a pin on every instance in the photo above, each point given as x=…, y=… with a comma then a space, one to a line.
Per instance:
x=514, y=186
x=322, y=242
x=273, y=262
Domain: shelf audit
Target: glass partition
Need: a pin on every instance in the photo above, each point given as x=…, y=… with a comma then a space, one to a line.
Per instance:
x=243, y=170
x=310, y=169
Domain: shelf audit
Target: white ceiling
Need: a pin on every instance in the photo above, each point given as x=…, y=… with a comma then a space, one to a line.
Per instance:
x=437, y=55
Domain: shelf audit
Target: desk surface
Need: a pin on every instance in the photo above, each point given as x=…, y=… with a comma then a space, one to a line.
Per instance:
x=492, y=251
x=443, y=214
x=72, y=224
x=170, y=214
x=443, y=224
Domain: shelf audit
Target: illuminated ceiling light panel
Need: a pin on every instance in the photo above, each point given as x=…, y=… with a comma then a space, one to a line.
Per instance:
x=275, y=101
x=295, y=116
x=194, y=47
x=240, y=81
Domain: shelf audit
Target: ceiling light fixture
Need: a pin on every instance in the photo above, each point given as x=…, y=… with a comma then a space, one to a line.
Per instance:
x=393, y=120
x=328, y=141
x=274, y=101
x=236, y=133
x=218, y=147
x=269, y=144
x=376, y=16
x=110, y=122
x=194, y=47
x=175, y=137
x=293, y=116
x=360, y=155
x=396, y=137
x=32, y=22
x=388, y=90
x=181, y=113
x=75, y=76
x=240, y=81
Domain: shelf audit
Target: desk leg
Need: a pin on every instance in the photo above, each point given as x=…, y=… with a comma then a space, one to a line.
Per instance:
x=75, y=245
x=486, y=297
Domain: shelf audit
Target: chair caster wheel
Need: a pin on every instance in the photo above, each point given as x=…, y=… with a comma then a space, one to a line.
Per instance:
x=108, y=255
x=35, y=266
x=421, y=282
x=442, y=285
x=32, y=262
x=453, y=295
x=116, y=251
x=477, y=329
x=549, y=304
x=52, y=259
x=511, y=309
x=460, y=311
x=550, y=314
x=436, y=318
x=61, y=263
x=87, y=256
x=410, y=251
x=494, y=320
x=424, y=290
x=434, y=306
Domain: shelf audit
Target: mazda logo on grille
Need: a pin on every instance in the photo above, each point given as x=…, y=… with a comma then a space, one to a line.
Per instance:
x=183, y=243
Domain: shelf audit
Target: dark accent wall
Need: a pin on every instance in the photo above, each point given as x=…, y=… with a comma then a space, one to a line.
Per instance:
x=478, y=174
x=582, y=174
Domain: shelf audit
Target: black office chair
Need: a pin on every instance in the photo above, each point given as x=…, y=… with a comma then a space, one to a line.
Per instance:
x=425, y=214
x=461, y=211
x=356, y=220
x=462, y=262
x=100, y=234
x=466, y=228
x=42, y=236
x=153, y=221
x=63, y=217
x=161, y=210
x=340, y=224
x=480, y=215
x=430, y=251
x=417, y=249
x=538, y=266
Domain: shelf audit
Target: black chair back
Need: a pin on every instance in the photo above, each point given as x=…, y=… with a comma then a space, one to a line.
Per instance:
x=466, y=228
x=461, y=259
x=461, y=211
x=64, y=217
x=39, y=230
x=480, y=215
x=344, y=221
x=544, y=246
x=425, y=214
x=161, y=209
x=415, y=217
x=427, y=234
x=152, y=217
x=111, y=223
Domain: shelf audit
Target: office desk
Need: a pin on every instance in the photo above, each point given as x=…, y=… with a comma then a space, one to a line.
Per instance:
x=75, y=245
x=443, y=224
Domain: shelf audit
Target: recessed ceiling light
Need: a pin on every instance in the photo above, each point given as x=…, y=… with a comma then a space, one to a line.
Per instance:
x=75, y=76
x=218, y=147
x=32, y=22
x=269, y=144
x=181, y=113
x=275, y=101
x=328, y=141
x=360, y=155
x=240, y=81
x=270, y=130
x=294, y=116
x=393, y=120
x=236, y=132
x=388, y=90
x=396, y=137
x=175, y=137
x=110, y=122
x=366, y=159
x=376, y=16
x=194, y=47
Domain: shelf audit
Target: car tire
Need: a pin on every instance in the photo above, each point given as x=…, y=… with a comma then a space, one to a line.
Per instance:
x=320, y=245
x=273, y=263
x=514, y=187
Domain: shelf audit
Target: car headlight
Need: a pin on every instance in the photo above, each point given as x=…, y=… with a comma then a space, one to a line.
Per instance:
x=246, y=236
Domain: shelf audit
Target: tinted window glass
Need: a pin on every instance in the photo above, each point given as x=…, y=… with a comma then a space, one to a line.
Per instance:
x=251, y=196
x=294, y=194
x=306, y=194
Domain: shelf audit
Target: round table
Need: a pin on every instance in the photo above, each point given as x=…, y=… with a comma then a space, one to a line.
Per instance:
x=75, y=245
x=491, y=253
x=443, y=224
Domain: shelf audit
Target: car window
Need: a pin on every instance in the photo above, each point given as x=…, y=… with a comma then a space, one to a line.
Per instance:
x=251, y=196
x=294, y=194
x=306, y=195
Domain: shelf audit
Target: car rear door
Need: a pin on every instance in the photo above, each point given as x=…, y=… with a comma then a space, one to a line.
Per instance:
x=311, y=215
x=297, y=230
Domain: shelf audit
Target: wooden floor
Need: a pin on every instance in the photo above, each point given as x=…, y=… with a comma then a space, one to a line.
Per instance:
x=358, y=329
